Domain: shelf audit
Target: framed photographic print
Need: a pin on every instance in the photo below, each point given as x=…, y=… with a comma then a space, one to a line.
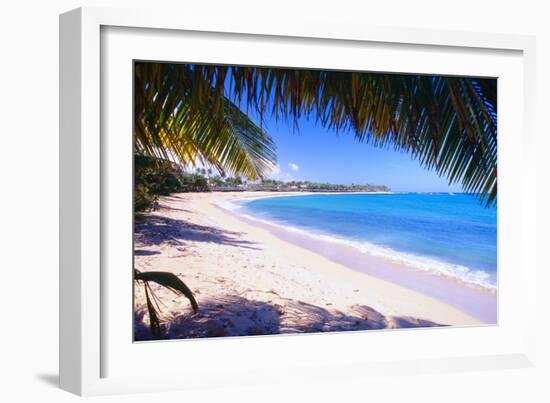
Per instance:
x=259, y=188
x=290, y=196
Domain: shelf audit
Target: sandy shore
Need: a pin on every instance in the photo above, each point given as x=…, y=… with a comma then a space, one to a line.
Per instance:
x=249, y=281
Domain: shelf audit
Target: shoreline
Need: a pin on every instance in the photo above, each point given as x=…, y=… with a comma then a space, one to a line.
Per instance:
x=268, y=194
x=249, y=280
x=473, y=298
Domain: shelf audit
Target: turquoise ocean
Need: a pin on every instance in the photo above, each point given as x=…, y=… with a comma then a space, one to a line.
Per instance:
x=442, y=233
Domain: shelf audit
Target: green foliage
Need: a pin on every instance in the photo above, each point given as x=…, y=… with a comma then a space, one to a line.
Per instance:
x=234, y=182
x=161, y=177
x=154, y=177
x=271, y=184
x=193, y=183
x=448, y=124
x=144, y=199
x=170, y=123
x=216, y=180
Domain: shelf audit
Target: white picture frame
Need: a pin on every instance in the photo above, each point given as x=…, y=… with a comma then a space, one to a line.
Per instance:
x=86, y=332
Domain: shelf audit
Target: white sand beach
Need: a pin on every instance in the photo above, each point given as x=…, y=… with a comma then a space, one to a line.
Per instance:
x=249, y=281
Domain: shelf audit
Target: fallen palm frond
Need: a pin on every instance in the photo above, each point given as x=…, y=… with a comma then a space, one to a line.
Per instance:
x=169, y=281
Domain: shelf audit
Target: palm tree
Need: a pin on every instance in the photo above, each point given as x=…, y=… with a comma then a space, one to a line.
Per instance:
x=182, y=113
x=448, y=123
x=194, y=133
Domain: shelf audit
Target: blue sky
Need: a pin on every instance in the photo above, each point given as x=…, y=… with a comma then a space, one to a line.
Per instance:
x=321, y=155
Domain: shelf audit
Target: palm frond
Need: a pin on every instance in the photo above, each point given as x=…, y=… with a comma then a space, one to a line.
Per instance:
x=169, y=281
x=449, y=124
x=180, y=120
x=154, y=322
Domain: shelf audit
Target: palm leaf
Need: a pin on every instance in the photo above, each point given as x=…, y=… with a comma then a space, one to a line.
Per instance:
x=154, y=322
x=449, y=124
x=170, y=281
x=196, y=125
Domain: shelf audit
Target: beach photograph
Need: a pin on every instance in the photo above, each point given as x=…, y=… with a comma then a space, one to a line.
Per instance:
x=272, y=200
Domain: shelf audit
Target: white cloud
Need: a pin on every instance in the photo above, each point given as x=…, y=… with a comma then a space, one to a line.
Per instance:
x=285, y=177
x=278, y=174
x=293, y=166
x=275, y=170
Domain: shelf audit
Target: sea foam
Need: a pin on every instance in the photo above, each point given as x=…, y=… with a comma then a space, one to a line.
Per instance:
x=426, y=264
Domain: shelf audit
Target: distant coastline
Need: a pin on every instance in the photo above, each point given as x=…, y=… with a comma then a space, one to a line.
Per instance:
x=217, y=155
x=294, y=191
x=271, y=185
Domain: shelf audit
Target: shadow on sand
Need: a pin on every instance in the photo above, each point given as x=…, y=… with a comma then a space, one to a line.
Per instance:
x=237, y=316
x=163, y=230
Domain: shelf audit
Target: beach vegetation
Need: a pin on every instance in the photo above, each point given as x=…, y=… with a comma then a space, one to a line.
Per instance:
x=196, y=128
x=194, y=116
x=195, y=113
x=153, y=177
